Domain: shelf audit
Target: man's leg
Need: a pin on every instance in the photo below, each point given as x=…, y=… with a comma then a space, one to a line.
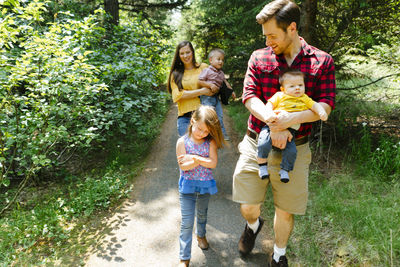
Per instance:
x=283, y=226
x=249, y=190
x=250, y=212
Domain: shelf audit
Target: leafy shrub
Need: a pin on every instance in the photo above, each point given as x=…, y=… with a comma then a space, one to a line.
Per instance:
x=71, y=84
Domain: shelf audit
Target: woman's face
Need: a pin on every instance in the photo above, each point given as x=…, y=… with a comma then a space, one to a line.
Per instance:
x=186, y=56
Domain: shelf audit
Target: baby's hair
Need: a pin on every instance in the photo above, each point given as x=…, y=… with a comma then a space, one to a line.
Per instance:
x=215, y=51
x=208, y=115
x=289, y=71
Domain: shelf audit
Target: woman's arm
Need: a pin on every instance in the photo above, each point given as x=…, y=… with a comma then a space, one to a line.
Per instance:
x=208, y=85
x=195, y=93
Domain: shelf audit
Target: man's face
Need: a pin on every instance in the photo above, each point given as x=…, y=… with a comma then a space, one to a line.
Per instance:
x=276, y=38
x=217, y=60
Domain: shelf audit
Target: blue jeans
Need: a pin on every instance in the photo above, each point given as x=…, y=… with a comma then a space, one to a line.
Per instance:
x=289, y=153
x=182, y=125
x=190, y=203
x=216, y=103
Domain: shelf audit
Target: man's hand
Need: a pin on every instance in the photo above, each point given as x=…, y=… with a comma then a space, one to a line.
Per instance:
x=282, y=122
x=279, y=139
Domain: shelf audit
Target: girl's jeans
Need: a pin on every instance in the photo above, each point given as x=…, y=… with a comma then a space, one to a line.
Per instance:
x=190, y=203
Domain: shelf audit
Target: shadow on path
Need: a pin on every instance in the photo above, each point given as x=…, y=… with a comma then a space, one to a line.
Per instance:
x=145, y=230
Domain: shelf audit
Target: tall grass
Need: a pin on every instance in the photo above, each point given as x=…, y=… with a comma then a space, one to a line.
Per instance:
x=353, y=212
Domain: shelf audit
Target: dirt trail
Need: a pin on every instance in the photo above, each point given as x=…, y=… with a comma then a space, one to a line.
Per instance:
x=145, y=230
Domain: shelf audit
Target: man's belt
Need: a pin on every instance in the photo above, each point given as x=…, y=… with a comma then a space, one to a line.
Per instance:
x=297, y=141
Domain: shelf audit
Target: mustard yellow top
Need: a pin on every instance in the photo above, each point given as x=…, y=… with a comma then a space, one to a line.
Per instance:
x=282, y=101
x=189, y=82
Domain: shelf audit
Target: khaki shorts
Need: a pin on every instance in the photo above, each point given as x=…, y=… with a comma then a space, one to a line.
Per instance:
x=248, y=188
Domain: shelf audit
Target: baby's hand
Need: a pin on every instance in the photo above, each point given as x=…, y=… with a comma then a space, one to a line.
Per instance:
x=271, y=117
x=323, y=116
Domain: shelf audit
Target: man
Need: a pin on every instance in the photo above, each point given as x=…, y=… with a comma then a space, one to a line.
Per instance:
x=285, y=48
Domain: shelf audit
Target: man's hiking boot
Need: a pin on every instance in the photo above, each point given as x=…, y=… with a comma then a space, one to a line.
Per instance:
x=248, y=238
x=282, y=261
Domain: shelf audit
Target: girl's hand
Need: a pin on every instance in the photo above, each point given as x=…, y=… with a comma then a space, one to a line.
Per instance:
x=207, y=92
x=187, y=159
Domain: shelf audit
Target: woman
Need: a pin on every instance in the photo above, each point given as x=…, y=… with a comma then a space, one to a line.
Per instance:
x=182, y=84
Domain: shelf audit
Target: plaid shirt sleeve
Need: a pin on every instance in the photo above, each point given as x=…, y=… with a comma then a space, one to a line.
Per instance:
x=251, y=84
x=325, y=90
x=261, y=81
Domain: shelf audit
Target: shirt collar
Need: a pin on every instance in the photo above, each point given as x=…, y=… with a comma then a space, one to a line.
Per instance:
x=214, y=69
x=307, y=49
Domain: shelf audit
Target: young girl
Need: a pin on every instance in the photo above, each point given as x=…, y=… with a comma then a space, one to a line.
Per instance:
x=197, y=155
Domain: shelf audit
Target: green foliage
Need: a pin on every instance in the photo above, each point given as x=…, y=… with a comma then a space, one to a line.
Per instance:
x=351, y=216
x=47, y=218
x=381, y=160
x=229, y=25
x=71, y=84
x=239, y=114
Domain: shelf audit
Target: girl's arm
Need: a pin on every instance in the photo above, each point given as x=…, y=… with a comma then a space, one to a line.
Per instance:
x=212, y=160
x=185, y=161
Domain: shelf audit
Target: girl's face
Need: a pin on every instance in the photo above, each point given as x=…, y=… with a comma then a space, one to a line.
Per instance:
x=199, y=130
x=186, y=56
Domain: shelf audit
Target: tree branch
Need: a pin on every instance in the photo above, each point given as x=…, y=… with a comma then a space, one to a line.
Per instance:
x=155, y=5
x=364, y=85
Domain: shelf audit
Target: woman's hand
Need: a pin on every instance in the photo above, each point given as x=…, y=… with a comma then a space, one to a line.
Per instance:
x=207, y=91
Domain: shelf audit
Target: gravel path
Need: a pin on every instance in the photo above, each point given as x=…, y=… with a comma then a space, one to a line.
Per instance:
x=145, y=230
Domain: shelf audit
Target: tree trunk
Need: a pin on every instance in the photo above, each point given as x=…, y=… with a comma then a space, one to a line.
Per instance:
x=309, y=10
x=112, y=7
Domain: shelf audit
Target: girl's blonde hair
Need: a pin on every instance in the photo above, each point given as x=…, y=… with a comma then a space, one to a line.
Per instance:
x=208, y=115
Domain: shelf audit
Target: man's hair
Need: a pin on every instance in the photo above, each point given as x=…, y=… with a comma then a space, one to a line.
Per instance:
x=215, y=51
x=284, y=11
x=289, y=71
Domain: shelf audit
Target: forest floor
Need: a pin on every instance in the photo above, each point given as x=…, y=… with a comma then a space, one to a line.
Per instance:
x=144, y=231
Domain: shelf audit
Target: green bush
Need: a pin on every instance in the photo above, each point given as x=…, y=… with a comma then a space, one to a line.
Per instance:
x=71, y=84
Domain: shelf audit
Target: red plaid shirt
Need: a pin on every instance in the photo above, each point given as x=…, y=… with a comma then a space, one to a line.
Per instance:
x=262, y=79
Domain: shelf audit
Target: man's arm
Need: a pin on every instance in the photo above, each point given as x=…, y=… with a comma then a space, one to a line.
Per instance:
x=257, y=108
x=285, y=119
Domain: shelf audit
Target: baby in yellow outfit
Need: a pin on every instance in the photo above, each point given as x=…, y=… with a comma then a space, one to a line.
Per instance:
x=292, y=98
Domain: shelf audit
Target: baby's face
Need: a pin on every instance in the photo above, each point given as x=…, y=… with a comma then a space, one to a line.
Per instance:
x=293, y=85
x=217, y=60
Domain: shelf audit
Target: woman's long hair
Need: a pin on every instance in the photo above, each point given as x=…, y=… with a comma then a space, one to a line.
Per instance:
x=178, y=68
